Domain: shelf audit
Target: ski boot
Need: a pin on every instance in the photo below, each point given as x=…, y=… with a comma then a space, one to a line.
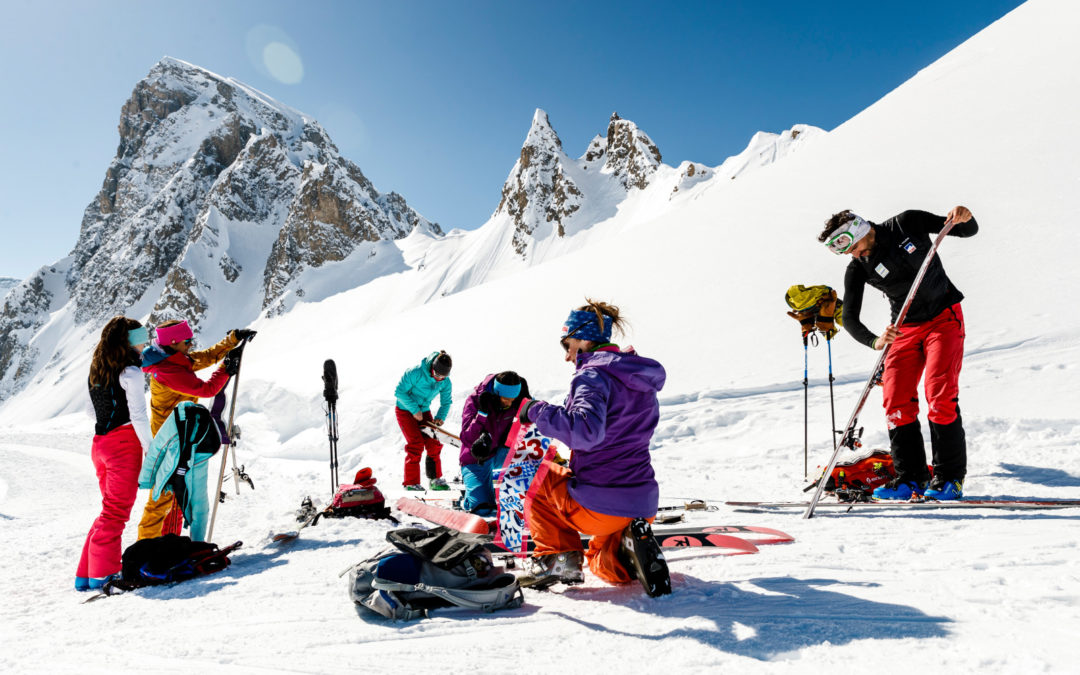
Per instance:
x=640, y=554
x=439, y=484
x=415, y=487
x=547, y=570
x=900, y=489
x=942, y=489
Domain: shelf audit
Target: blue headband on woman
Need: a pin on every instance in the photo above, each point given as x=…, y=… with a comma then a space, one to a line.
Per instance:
x=138, y=336
x=506, y=390
x=583, y=325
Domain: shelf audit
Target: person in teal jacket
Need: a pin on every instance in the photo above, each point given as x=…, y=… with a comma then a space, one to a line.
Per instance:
x=415, y=392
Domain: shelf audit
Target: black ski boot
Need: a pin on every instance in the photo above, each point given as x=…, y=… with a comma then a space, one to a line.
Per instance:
x=547, y=570
x=640, y=554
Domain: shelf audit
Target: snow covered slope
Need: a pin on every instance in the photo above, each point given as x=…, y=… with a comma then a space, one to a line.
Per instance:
x=702, y=278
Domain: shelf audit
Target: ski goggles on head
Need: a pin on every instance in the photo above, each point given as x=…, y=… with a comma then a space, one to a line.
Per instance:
x=847, y=235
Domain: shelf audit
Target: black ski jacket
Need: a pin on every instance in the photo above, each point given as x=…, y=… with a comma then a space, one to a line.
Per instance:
x=901, y=245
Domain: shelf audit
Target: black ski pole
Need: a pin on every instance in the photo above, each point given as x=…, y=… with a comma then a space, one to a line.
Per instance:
x=330, y=393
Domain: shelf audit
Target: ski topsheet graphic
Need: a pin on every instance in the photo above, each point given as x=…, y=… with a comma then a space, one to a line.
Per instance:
x=520, y=477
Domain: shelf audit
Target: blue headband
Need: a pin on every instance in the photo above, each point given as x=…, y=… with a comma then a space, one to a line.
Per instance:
x=583, y=325
x=506, y=390
x=138, y=336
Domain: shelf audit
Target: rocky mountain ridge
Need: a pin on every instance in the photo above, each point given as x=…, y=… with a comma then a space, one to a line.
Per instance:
x=215, y=190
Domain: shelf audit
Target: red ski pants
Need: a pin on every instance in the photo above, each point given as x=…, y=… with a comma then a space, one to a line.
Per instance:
x=416, y=443
x=117, y=458
x=557, y=521
x=932, y=349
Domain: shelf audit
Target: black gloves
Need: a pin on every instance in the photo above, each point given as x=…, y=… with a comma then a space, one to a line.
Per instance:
x=481, y=448
x=242, y=334
x=524, y=415
x=487, y=403
x=232, y=362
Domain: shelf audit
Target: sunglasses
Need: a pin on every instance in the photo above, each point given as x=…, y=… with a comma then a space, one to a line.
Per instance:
x=187, y=341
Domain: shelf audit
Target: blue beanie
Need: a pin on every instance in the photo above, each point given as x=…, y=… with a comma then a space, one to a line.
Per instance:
x=583, y=325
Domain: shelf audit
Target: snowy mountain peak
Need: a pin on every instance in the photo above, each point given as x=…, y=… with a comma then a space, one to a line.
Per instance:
x=631, y=155
x=538, y=192
x=220, y=204
x=541, y=133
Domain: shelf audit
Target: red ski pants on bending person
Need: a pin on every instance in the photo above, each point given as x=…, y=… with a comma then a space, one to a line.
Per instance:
x=117, y=458
x=416, y=443
x=934, y=348
x=557, y=521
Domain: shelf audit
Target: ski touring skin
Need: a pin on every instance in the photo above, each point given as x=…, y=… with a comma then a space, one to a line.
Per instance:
x=848, y=439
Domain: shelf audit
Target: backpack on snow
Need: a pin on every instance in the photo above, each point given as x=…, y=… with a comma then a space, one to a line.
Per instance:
x=170, y=558
x=865, y=472
x=428, y=569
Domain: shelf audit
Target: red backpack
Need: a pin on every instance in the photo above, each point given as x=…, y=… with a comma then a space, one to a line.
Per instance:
x=864, y=473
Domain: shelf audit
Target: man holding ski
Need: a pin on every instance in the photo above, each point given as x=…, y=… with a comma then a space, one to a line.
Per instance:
x=928, y=344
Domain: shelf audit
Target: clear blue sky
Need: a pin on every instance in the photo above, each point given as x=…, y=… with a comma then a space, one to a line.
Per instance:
x=433, y=98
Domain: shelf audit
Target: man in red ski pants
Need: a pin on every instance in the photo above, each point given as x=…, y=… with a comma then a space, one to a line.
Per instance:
x=929, y=344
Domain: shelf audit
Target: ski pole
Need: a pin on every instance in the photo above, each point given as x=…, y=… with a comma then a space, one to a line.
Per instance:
x=832, y=402
x=806, y=407
x=330, y=393
x=228, y=432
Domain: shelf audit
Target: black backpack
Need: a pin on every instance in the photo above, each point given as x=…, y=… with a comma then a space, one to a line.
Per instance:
x=171, y=558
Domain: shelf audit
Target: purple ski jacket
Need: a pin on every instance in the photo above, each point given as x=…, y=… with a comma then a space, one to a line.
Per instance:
x=608, y=421
x=473, y=423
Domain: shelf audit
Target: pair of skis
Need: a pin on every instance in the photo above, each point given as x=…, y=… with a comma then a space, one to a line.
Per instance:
x=736, y=539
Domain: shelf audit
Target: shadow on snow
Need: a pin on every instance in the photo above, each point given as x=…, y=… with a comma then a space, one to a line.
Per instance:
x=769, y=617
x=1038, y=475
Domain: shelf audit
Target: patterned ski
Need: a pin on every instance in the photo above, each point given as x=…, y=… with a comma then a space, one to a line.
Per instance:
x=520, y=477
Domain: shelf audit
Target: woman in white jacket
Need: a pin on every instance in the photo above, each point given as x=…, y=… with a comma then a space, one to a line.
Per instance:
x=121, y=437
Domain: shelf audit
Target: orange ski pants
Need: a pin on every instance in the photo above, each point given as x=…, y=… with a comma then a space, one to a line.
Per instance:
x=556, y=523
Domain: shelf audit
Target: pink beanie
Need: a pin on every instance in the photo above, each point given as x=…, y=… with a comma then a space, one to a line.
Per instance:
x=169, y=335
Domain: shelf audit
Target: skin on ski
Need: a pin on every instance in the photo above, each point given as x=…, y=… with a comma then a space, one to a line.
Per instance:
x=458, y=520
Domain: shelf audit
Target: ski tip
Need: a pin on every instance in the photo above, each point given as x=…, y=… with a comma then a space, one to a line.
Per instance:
x=285, y=537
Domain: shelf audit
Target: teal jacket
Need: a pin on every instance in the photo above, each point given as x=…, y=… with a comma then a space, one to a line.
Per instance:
x=189, y=428
x=417, y=389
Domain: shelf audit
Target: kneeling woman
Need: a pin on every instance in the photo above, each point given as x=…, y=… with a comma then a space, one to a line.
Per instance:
x=486, y=419
x=609, y=490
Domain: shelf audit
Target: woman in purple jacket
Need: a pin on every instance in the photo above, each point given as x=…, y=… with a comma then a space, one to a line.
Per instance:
x=609, y=490
x=485, y=421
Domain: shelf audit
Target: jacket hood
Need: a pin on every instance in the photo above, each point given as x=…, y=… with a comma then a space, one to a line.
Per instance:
x=153, y=355
x=635, y=372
